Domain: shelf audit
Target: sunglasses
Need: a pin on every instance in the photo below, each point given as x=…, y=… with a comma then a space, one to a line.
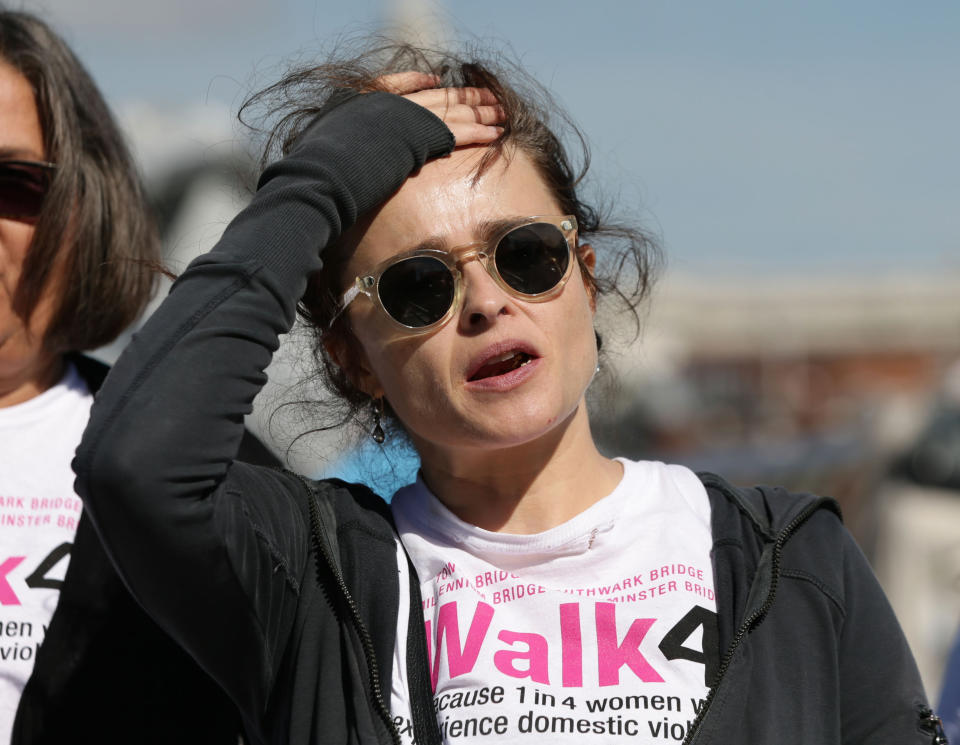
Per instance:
x=420, y=290
x=23, y=185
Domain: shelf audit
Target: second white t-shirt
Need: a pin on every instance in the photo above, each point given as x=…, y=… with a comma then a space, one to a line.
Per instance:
x=38, y=520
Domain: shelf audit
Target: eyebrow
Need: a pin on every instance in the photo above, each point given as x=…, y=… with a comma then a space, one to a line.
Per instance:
x=485, y=230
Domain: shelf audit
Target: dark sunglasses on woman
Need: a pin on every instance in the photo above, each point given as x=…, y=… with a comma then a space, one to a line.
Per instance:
x=23, y=185
x=420, y=290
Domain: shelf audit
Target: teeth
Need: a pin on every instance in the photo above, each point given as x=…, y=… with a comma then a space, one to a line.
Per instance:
x=502, y=364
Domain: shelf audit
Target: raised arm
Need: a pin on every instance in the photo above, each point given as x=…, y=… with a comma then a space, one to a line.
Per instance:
x=201, y=539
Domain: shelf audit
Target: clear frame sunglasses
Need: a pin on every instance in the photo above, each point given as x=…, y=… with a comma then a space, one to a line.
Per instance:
x=420, y=290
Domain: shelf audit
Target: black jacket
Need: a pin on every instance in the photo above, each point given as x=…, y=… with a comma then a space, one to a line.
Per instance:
x=106, y=673
x=285, y=590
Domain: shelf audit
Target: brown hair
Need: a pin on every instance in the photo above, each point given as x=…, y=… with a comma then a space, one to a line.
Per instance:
x=95, y=243
x=627, y=255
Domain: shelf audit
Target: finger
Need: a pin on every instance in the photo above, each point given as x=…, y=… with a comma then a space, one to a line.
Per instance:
x=439, y=97
x=489, y=114
x=477, y=114
x=403, y=83
x=493, y=114
x=473, y=133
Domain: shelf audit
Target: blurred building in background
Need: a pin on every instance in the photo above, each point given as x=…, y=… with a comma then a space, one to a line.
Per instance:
x=846, y=386
x=818, y=383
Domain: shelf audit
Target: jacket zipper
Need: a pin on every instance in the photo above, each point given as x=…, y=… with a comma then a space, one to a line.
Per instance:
x=755, y=618
x=376, y=690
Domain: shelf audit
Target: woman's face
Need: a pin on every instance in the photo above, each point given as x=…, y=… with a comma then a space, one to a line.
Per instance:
x=438, y=383
x=24, y=364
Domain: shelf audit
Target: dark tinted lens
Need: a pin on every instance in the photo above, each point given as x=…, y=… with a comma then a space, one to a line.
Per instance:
x=533, y=258
x=22, y=188
x=417, y=291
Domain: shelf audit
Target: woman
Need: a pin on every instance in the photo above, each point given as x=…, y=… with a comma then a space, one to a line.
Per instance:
x=428, y=218
x=78, y=250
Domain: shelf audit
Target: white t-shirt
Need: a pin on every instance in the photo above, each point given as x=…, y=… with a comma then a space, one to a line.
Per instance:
x=602, y=629
x=38, y=520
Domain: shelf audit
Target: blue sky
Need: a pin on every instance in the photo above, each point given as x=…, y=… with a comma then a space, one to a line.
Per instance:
x=755, y=137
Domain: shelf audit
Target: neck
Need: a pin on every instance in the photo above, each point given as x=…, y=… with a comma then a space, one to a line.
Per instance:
x=23, y=383
x=526, y=488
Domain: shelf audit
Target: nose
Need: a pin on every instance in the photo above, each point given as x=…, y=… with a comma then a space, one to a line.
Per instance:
x=483, y=298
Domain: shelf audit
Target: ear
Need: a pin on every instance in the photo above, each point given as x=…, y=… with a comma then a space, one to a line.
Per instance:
x=348, y=354
x=587, y=258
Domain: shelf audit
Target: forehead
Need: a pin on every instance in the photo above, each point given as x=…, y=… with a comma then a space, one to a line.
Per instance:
x=447, y=205
x=20, y=133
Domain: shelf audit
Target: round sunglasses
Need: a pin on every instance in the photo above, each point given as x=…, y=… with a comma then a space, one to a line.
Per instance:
x=421, y=289
x=23, y=185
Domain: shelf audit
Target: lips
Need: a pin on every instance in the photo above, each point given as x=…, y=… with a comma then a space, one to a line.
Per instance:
x=502, y=365
x=501, y=360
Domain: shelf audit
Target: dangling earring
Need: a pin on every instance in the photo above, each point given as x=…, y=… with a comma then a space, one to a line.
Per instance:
x=377, y=434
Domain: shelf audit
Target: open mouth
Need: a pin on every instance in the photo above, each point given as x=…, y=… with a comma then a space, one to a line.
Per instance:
x=502, y=364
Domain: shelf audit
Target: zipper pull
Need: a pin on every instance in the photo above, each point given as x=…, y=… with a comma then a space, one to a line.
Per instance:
x=932, y=724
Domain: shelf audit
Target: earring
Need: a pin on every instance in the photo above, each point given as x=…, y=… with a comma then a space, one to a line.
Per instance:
x=377, y=434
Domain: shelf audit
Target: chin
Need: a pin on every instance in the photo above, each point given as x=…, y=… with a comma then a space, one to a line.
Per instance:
x=516, y=427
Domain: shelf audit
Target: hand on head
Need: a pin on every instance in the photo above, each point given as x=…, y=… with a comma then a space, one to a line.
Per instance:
x=472, y=114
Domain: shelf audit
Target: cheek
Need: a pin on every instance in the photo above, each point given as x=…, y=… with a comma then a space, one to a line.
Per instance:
x=15, y=238
x=577, y=317
x=20, y=343
x=416, y=373
x=578, y=346
x=415, y=387
x=406, y=369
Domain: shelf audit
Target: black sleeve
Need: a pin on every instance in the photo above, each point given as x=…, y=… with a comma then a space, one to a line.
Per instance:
x=213, y=548
x=882, y=697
